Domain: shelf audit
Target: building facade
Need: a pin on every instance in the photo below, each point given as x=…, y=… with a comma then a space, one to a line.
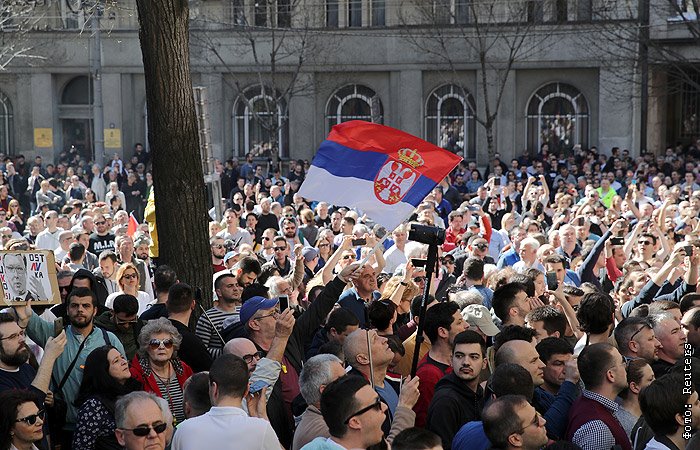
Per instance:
x=280, y=73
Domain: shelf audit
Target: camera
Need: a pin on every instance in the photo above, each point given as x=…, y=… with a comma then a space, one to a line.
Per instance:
x=426, y=234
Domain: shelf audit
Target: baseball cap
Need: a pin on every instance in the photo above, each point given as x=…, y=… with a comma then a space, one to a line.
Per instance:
x=479, y=316
x=255, y=304
x=229, y=255
x=309, y=253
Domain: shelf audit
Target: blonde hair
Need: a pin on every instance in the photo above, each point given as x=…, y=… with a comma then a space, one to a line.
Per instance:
x=123, y=268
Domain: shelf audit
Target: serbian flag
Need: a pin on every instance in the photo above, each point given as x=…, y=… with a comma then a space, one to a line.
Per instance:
x=379, y=170
x=133, y=225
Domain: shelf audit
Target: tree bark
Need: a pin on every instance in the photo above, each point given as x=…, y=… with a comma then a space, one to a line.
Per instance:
x=180, y=193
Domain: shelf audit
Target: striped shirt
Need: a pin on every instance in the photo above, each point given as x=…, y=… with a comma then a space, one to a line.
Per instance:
x=208, y=334
x=172, y=393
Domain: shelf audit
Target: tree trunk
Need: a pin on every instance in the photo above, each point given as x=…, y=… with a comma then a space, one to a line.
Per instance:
x=180, y=193
x=488, y=126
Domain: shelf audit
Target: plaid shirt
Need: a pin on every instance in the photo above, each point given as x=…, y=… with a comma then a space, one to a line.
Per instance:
x=595, y=435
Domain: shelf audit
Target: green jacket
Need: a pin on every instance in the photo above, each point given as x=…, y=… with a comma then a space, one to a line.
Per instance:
x=40, y=330
x=129, y=339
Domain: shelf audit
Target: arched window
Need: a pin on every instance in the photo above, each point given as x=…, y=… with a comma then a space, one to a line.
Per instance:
x=260, y=123
x=449, y=120
x=557, y=115
x=6, y=145
x=354, y=102
x=77, y=92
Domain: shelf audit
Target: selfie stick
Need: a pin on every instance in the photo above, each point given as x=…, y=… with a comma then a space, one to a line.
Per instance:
x=371, y=363
x=429, y=270
x=198, y=301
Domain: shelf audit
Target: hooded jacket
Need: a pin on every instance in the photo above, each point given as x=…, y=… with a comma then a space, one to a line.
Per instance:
x=100, y=290
x=453, y=405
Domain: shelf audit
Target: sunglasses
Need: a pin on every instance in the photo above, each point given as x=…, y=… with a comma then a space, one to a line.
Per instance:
x=644, y=325
x=279, y=249
x=645, y=242
x=156, y=343
x=418, y=279
x=145, y=430
x=130, y=276
x=377, y=405
x=31, y=419
x=127, y=322
x=218, y=245
x=249, y=358
x=348, y=256
x=481, y=246
x=100, y=223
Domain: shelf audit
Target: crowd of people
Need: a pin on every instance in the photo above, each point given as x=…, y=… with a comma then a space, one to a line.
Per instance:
x=561, y=312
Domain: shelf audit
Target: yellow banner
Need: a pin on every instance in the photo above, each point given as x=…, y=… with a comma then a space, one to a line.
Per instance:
x=113, y=138
x=43, y=137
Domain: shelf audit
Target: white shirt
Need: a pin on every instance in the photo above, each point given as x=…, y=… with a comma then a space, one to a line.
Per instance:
x=225, y=427
x=394, y=258
x=47, y=240
x=144, y=299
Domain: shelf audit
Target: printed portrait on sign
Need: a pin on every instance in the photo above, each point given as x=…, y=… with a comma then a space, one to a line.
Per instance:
x=28, y=275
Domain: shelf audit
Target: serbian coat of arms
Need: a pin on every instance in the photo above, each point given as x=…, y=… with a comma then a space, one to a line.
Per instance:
x=397, y=176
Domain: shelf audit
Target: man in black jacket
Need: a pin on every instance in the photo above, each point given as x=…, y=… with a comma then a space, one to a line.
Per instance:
x=458, y=397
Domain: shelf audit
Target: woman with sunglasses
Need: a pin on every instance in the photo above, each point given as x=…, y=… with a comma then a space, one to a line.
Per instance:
x=157, y=367
x=128, y=279
x=106, y=377
x=16, y=216
x=21, y=420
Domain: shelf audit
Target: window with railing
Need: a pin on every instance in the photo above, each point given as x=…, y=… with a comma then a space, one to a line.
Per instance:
x=6, y=130
x=354, y=102
x=260, y=123
x=557, y=115
x=449, y=120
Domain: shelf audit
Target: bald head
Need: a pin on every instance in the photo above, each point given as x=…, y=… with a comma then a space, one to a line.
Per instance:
x=243, y=348
x=524, y=354
x=356, y=351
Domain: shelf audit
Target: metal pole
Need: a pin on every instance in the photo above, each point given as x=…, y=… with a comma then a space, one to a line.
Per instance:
x=96, y=70
x=430, y=267
x=644, y=72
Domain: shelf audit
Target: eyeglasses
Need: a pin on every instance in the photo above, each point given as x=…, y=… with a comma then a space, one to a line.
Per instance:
x=130, y=276
x=377, y=405
x=249, y=358
x=418, y=279
x=645, y=242
x=13, y=336
x=265, y=238
x=272, y=314
x=102, y=222
x=323, y=245
x=156, y=343
x=279, y=249
x=145, y=430
x=31, y=419
x=348, y=256
x=481, y=246
x=217, y=245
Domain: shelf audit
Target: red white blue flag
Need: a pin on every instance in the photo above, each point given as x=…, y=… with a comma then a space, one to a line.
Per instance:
x=379, y=170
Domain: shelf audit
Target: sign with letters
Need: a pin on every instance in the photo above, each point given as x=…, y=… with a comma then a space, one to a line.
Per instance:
x=28, y=275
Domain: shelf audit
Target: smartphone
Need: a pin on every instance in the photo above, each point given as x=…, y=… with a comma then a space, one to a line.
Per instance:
x=357, y=242
x=419, y=262
x=57, y=326
x=497, y=181
x=617, y=241
x=284, y=302
x=258, y=386
x=473, y=208
x=552, y=282
x=688, y=250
